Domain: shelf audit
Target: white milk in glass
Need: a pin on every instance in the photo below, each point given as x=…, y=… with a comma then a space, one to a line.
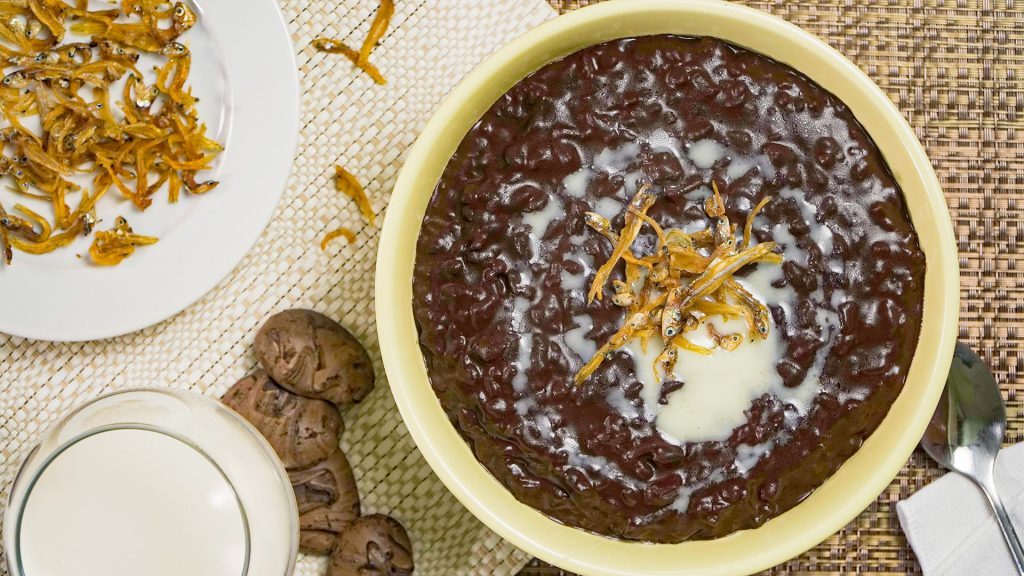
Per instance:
x=132, y=502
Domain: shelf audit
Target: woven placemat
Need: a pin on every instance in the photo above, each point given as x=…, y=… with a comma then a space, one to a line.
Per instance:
x=348, y=120
x=956, y=70
x=954, y=67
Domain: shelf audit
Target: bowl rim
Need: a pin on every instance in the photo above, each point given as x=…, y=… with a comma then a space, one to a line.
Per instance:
x=878, y=461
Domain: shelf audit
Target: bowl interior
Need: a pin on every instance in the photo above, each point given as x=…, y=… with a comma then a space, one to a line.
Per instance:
x=856, y=483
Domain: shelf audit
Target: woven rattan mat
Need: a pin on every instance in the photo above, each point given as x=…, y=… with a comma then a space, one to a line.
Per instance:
x=953, y=67
x=956, y=70
x=349, y=120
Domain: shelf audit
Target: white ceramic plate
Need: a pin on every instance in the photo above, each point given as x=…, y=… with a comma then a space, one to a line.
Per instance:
x=244, y=73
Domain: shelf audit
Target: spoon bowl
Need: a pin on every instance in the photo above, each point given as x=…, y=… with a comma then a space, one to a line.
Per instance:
x=966, y=432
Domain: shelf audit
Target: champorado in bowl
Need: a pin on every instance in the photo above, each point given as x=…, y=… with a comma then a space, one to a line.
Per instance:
x=667, y=287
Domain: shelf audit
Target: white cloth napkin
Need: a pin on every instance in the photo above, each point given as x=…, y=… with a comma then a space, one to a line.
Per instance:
x=951, y=527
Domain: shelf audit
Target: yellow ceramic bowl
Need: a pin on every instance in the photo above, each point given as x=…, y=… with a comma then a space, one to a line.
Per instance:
x=856, y=484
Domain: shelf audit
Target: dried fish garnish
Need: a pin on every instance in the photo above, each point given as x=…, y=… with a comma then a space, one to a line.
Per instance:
x=638, y=206
x=155, y=140
x=53, y=242
x=348, y=185
x=340, y=232
x=332, y=46
x=361, y=59
x=688, y=279
x=381, y=21
x=111, y=247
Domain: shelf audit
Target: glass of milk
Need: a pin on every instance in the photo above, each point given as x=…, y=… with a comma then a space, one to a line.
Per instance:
x=159, y=482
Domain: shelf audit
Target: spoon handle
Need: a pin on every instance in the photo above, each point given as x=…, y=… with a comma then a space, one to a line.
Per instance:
x=985, y=481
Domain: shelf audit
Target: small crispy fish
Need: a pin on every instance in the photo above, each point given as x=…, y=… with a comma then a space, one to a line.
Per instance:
x=639, y=205
x=717, y=272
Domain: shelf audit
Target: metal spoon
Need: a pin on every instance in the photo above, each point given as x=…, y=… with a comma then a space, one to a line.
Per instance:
x=966, y=431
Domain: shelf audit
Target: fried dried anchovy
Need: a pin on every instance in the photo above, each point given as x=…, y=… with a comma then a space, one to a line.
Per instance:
x=160, y=141
x=710, y=280
x=5, y=240
x=332, y=46
x=44, y=227
x=50, y=14
x=145, y=35
x=348, y=185
x=634, y=324
x=120, y=53
x=689, y=279
x=340, y=232
x=638, y=206
x=53, y=242
x=25, y=227
x=748, y=226
x=378, y=28
x=111, y=247
x=725, y=341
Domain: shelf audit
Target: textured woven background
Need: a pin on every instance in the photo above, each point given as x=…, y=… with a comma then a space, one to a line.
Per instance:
x=349, y=120
x=954, y=67
x=956, y=70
